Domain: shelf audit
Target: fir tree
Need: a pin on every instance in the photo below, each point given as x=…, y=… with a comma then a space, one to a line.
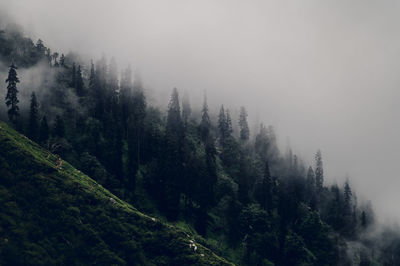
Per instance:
x=92, y=80
x=186, y=109
x=62, y=60
x=173, y=173
x=174, y=120
x=243, y=180
x=347, y=197
x=73, y=76
x=264, y=195
x=136, y=115
x=12, y=93
x=222, y=124
x=205, y=123
x=49, y=56
x=41, y=49
x=125, y=98
x=244, y=127
x=33, y=118
x=112, y=76
x=79, y=82
x=229, y=128
x=319, y=172
x=310, y=187
x=261, y=144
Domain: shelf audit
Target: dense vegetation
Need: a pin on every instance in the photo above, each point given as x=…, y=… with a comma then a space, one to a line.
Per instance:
x=53, y=214
x=204, y=172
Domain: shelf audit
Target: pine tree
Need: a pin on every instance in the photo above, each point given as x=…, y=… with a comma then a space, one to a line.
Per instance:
x=244, y=127
x=229, y=128
x=310, y=187
x=33, y=118
x=55, y=57
x=73, y=76
x=222, y=124
x=96, y=92
x=136, y=114
x=243, y=180
x=174, y=171
x=273, y=151
x=139, y=102
x=206, y=186
x=319, y=172
x=79, y=82
x=264, y=195
x=174, y=120
x=261, y=144
x=41, y=49
x=62, y=60
x=44, y=131
x=205, y=123
x=310, y=180
x=186, y=109
x=112, y=76
x=92, y=80
x=12, y=93
x=112, y=88
x=125, y=98
x=49, y=56
x=347, y=198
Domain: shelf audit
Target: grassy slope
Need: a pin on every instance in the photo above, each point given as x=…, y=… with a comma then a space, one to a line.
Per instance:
x=51, y=216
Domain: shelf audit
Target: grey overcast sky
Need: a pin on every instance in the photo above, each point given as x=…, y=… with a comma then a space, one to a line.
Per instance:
x=324, y=73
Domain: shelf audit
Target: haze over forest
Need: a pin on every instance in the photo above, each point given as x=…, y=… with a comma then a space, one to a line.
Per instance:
x=324, y=74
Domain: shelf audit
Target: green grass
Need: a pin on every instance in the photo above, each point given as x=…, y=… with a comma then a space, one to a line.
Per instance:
x=51, y=216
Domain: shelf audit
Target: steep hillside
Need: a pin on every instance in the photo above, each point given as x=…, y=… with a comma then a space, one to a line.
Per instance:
x=53, y=214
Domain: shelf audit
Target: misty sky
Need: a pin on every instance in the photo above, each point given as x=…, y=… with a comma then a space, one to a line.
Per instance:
x=325, y=74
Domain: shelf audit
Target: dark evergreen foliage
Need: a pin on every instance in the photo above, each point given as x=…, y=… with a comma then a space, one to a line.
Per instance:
x=12, y=95
x=205, y=124
x=33, y=124
x=244, y=127
x=79, y=82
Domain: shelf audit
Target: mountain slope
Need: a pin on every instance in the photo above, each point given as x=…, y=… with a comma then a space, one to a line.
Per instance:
x=51, y=213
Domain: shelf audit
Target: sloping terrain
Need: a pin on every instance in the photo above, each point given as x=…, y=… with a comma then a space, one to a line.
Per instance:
x=53, y=214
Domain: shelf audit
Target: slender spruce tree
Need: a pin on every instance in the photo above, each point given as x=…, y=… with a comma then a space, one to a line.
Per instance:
x=243, y=125
x=12, y=95
x=205, y=123
x=62, y=60
x=223, y=126
x=229, y=128
x=265, y=190
x=310, y=188
x=73, y=76
x=186, y=109
x=33, y=125
x=174, y=170
x=319, y=171
x=79, y=82
x=347, y=197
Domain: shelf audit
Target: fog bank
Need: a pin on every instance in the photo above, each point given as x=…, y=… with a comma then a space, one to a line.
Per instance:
x=323, y=73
